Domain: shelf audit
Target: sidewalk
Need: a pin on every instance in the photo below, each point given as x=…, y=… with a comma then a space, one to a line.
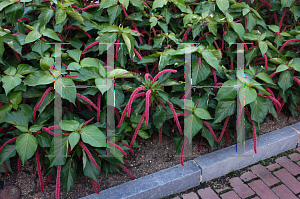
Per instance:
x=272, y=178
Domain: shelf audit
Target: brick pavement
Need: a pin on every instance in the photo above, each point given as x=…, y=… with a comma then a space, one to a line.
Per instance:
x=280, y=180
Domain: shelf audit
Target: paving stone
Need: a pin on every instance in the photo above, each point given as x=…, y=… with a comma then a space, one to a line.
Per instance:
x=230, y=195
x=283, y=192
x=156, y=185
x=256, y=198
x=295, y=156
x=207, y=193
x=290, y=181
x=222, y=189
x=289, y=165
x=272, y=167
x=298, y=149
x=191, y=195
x=221, y=162
x=177, y=197
x=248, y=176
x=241, y=188
x=264, y=174
x=262, y=190
x=298, y=178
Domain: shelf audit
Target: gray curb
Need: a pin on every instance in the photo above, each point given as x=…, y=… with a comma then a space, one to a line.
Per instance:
x=179, y=178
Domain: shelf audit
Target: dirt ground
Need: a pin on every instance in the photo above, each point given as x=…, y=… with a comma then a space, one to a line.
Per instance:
x=151, y=157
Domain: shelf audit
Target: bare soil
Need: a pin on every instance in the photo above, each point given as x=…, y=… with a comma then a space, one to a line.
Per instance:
x=151, y=157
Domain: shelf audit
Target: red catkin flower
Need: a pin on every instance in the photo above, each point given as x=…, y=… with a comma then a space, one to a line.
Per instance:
x=200, y=146
x=117, y=147
x=163, y=72
x=160, y=133
x=126, y=146
x=137, y=129
x=19, y=164
x=91, y=45
x=98, y=106
x=286, y=43
x=132, y=98
x=39, y=170
x=75, y=28
x=126, y=170
x=58, y=181
x=148, y=95
x=16, y=54
x=88, y=153
x=182, y=150
x=5, y=168
x=8, y=141
x=145, y=4
x=199, y=62
x=224, y=128
x=88, y=101
x=176, y=118
x=137, y=53
x=266, y=61
x=41, y=101
x=86, y=123
x=95, y=187
x=148, y=76
x=271, y=98
x=210, y=129
x=117, y=49
x=277, y=33
x=161, y=103
x=282, y=17
x=124, y=10
x=186, y=34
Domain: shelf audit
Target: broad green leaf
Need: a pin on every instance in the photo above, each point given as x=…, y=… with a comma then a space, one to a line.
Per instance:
x=248, y=94
x=263, y=47
x=73, y=139
x=239, y=29
x=26, y=145
x=286, y=3
x=14, y=12
x=75, y=54
x=68, y=89
x=167, y=14
x=22, y=128
x=10, y=82
x=58, y=150
x=163, y=26
x=265, y=77
x=180, y=4
x=120, y=73
x=286, y=80
x=192, y=127
x=251, y=22
x=93, y=136
x=24, y=69
x=108, y=3
x=223, y=5
x=113, y=13
x=227, y=91
x=5, y=108
x=60, y=15
x=15, y=97
x=224, y=108
x=69, y=125
x=17, y=118
x=159, y=4
x=35, y=128
x=45, y=79
x=43, y=139
x=102, y=85
x=128, y=42
x=89, y=169
x=147, y=60
x=277, y=61
x=50, y=33
x=230, y=37
x=4, y=4
x=76, y=16
x=32, y=36
x=153, y=21
x=212, y=25
x=250, y=54
x=68, y=174
x=143, y=134
x=259, y=109
x=138, y=4
x=281, y=67
x=125, y=3
x=211, y=60
x=164, y=60
x=7, y=152
x=202, y=113
x=45, y=16
x=296, y=11
x=274, y=28
x=40, y=47
x=33, y=78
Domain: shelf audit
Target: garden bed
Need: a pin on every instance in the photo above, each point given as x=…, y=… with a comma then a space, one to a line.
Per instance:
x=150, y=158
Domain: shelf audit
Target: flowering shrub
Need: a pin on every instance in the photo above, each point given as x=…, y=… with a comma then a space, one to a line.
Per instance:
x=148, y=76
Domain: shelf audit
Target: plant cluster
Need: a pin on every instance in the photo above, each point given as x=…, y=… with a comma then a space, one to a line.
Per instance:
x=148, y=77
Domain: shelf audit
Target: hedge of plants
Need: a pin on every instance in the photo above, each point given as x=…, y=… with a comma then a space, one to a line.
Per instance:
x=148, y=77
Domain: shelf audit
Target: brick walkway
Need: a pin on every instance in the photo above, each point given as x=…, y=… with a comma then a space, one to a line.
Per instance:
x=278, y=180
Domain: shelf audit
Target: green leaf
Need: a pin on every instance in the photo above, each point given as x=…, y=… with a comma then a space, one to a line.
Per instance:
x=7, y=152
x=296, y=11
x=15, y=97
x=89, y=169
x=108, y=3
x=159, y=4
x=43, y=139
x=265, y=77
x=167, y=14
x=224, y=109
x=24, y=69
x=60, y=15
x=230, y=37
x=102, y=84
x=147, y=60
x=163, y=26
x=68, y=174
x=4, y=4
x=125, y=3
x=251, y=22
x=143, y=134
x=74, y=139
x=274, y=28
x=22, y=128
x=14, y=12
x=164, y=59
x=129, y=42
x=68, y=89
x=35, y=128
x=58, y=150
x=45, y=79
x=249, y=94
x=192, y=127
x=263, y=47
x=137, y=3
x=69, y=125
x=250, y=54
x=93, y=136
x=10, y=82
x=202, y=113
x=239, y=29
x=5, y=108
x=211, y=60
x=33, y=78
x=32, y=36
x=119, y=73
x=259, y=109
x=180, y=4
x=45, y=16
x=17, y=118
x=40, y=47
x=113, y=13
x=75, y=54
x=227, y=90
x=286, y=80
x=286, y=3
x=76, y=16
x=26, y=145
x=223, y=5
x=207, y=134
x=50, y=33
